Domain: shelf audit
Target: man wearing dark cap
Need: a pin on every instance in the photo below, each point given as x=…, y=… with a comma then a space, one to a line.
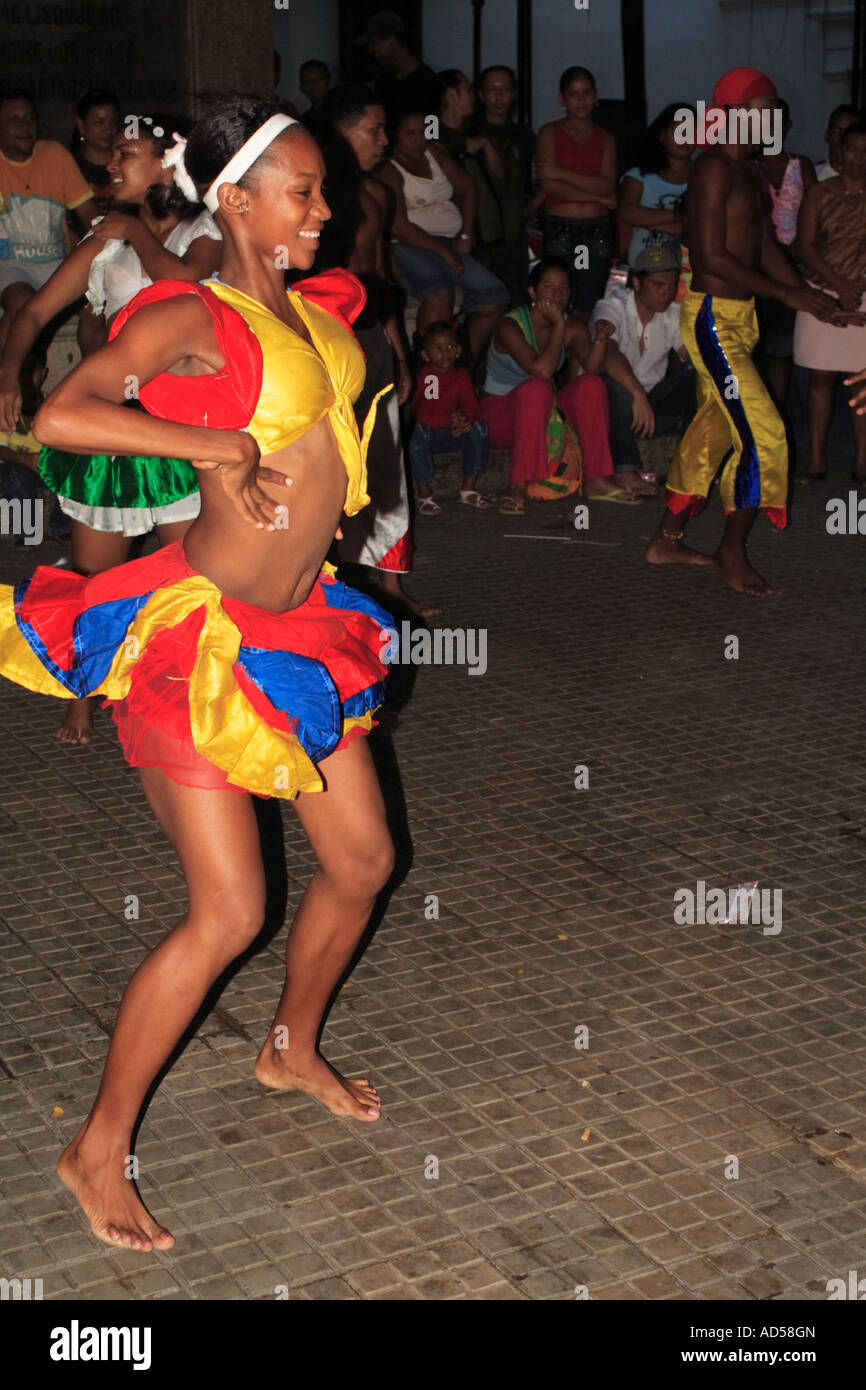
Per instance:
x=734, y=256
x=645, y=398
x=405, y=81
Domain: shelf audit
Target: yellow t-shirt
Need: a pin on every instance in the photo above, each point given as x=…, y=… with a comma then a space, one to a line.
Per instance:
x=34, y=196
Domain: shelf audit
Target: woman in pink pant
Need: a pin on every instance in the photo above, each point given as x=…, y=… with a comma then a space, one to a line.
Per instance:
x=528, y=348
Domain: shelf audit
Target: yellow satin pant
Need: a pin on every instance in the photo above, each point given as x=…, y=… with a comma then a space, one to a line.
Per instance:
x=735, y=418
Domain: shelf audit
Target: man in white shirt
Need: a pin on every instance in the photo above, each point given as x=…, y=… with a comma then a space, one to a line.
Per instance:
x=841, y=117
x=644, y=398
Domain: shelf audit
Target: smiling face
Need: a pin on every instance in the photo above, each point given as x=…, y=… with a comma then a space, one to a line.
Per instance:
x=134, y=167
x=285, y=202
x=580, y=99
x=367, y=137
x=99, y=128
x=17, y=129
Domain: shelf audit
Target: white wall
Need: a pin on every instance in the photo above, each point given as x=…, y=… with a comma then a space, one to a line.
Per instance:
x=447, y=34
x=307, y=29
x=687, y=53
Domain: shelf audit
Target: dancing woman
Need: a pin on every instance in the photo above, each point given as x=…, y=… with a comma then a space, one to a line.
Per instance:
x=111, y=498
x=233, y=660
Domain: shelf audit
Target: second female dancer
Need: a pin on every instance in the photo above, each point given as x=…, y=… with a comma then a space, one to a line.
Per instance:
x=235, y=663
x=110, y=499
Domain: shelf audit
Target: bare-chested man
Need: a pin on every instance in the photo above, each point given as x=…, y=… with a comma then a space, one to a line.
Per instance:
x=734, y=256
x=354, y=139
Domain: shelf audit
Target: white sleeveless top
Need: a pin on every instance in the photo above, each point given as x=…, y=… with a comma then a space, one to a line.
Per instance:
x=428, y=201
x=117, y=275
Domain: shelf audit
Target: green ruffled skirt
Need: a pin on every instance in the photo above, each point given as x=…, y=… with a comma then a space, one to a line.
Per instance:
x=121, y=480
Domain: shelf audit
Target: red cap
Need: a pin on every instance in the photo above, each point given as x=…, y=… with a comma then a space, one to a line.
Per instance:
x=741, y=85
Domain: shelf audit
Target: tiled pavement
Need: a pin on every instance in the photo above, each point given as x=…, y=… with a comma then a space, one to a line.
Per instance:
x=558, y=1166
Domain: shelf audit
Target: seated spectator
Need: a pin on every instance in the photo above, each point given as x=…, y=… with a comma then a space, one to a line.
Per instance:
x=645, y=400
x=432, y=235
x=545, y=429
x=457, y=102
x=651, y=194
x=97, y=126
x=504, y=201
x=576, y=162
x=786, y=178
x=314, y=79
x=446, y=414
x=39, y=182
x=841, y=118
x=404, y=80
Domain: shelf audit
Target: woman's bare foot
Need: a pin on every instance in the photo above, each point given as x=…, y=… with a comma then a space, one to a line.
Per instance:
x=109, y=1200
x=392, y=586
x=669, y=550
x=284, y=1071
x=77, y=727
x=740, y=576
x=636, y=484
x=599, y=486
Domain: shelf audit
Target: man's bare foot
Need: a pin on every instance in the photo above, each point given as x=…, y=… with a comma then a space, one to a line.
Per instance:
x=391, y=587
x=665, y=551
x=739, y=575
x=77, y=727
x=357, y=1098
x=110, y=1202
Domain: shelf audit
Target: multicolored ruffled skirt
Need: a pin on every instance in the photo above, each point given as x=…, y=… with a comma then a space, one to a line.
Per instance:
x=217, y=693
x=121, y=492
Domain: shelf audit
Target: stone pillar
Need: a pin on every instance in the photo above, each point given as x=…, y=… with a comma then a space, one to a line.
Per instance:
x=229, y=47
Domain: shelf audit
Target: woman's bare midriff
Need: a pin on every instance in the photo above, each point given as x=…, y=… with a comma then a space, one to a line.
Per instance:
x=580, y=212
x=276, y=569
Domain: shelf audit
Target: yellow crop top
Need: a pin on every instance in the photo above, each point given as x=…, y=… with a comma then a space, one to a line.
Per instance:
x=274, y=383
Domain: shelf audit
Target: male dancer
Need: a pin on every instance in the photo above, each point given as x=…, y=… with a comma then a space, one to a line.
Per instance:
x=734, y=256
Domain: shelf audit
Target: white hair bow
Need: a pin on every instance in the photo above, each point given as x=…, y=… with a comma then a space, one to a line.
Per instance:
x=174, y=159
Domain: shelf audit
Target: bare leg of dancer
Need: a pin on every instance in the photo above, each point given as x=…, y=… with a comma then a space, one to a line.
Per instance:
x=93, y=552
x=216, y=838
x=347, y=829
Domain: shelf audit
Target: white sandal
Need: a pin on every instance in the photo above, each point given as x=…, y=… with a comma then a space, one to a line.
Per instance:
x=480, y=503
x=428, y=506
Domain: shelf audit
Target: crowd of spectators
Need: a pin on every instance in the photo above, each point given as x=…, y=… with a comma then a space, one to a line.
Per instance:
x=528, y=284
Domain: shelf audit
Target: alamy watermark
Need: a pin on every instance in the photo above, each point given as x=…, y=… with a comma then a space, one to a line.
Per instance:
x=444, y=646
x=732, y=907
x=735, y=125
x=22, y=518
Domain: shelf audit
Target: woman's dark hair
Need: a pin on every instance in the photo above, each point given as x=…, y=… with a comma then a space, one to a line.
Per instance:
x=571, y=74
x=448, y=80
x=219, y=134
x=95, y=96
x=163, y=199
x=653, y=156
x=343, y=106
x=548, y=263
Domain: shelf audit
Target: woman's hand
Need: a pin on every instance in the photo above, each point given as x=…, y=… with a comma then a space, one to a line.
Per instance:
x=242, y=480
x=850, y=295
x=10, y=400
x=116, y=226
x=603, y=330
x=452, y=260
x=550, y=311
x=858, y=400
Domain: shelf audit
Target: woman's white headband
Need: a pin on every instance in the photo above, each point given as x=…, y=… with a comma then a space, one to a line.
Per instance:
x=246, y=156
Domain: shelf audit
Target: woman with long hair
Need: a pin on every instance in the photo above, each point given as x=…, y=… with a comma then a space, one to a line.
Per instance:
x=651, y=194
x=163, y=234
x=234, y=662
